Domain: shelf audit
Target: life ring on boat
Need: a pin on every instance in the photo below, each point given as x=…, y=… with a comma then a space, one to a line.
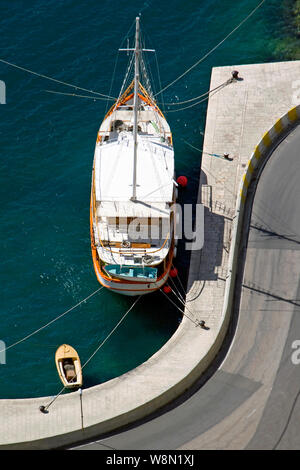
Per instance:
x=125, y=244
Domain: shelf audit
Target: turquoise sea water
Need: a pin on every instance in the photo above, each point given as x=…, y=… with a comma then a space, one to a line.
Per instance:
x=47, y=145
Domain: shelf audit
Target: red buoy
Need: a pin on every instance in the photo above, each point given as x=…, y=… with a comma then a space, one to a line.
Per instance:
x=173, y=272
x=167, y=289
x=182, y=181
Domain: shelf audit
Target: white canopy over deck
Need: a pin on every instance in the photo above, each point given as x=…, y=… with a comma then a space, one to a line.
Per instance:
x=114, y=169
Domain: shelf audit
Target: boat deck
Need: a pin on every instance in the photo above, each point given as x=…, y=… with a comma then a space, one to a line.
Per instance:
x=148, y=119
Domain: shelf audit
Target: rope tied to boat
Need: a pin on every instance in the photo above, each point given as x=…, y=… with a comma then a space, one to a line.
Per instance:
x=44, y=409
x=52, y=321
x=180, y=297
x=55, y=80
x=227, y=82
x=207, y=95
x=196, y=322
x=213, y=49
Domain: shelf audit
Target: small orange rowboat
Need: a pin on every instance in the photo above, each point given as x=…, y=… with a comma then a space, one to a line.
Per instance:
x=68, y=366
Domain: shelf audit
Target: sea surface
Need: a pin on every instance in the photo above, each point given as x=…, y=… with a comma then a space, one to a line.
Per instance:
x=46, y=152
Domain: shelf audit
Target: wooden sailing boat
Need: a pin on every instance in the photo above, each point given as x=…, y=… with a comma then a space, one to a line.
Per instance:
x=133, y=191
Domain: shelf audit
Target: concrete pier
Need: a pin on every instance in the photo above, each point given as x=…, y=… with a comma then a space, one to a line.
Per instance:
x=238, y=116
x=253, y=393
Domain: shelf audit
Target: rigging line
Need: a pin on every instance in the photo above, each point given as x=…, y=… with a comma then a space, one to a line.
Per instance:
x=147, y=74
x=96, y=350
x=128, y=33
x=213, y=49
x=116, y=61
x=78, y=96
x=52, y=321
x=130, y=64
x=145, y=36
x=112, y=80
x=55, y=80
x=159, y=81
x=147, y=64
x=204, y=94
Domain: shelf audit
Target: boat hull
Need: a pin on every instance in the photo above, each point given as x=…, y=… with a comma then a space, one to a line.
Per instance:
x=130, y=288
x=114, y=282
x=120, y=286
x=63, y=353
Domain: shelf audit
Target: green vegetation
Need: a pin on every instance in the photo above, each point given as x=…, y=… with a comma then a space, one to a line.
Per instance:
x=287, y=47
x=297, y=17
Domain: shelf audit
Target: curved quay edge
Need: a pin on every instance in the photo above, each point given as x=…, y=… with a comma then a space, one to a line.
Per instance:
x=153, y=384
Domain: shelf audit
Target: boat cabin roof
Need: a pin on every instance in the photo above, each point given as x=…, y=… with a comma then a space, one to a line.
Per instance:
x=130, y=209
x=114, y=170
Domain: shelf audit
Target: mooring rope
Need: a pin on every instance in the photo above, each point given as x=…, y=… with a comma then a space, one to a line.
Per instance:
x=112, y=331
x=52, y=321
x=196, y=322
x=213, y=49
x=230, y=80
x=44, y=409
x=94, y=98
x=208, y=93
x=179, y=296
x=54, y=79
x=179, y=280
x=176, y=288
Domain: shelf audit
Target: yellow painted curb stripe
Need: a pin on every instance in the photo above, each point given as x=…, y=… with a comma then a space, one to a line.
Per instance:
x=267, y=139
x=250, y=167
x=243, y=198
x=278, y=126
x=246, y=182
x=292, y=114
x=257, y=153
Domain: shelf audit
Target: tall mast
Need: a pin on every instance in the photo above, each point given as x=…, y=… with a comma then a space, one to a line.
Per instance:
x=137, y=52
x=135, y=103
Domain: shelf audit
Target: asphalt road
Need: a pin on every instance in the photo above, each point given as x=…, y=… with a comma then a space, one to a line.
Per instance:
x=252, y=399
